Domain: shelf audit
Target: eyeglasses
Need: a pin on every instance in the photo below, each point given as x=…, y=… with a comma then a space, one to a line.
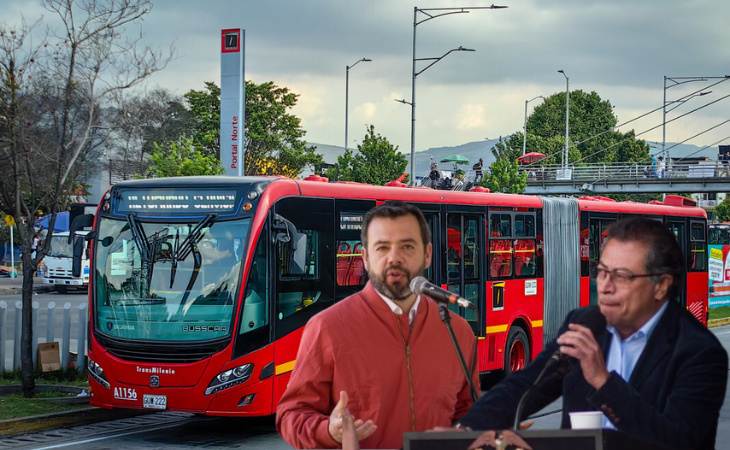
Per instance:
x=622, y=277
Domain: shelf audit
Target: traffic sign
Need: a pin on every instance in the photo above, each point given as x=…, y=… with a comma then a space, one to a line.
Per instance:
x=10, y=220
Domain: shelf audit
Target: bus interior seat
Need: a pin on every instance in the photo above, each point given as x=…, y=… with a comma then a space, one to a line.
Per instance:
x=505, y=270
x=357, y=267
x=519, y=263
x=343, y=263
x=495, y=265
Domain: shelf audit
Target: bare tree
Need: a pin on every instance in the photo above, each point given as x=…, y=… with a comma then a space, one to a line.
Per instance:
x=52, y=95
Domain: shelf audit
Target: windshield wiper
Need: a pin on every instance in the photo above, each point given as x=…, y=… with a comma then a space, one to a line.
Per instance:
x=190, y=245
x=181, y=251
x=139, y=237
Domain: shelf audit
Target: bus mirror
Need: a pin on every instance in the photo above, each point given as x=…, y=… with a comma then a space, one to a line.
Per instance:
x=298, y=255
x=107, y=241
x=78, y=251
x=82, y=221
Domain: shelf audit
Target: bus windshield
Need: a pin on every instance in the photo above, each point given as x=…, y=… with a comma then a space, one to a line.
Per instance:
x=60, y=248
x=167, y=281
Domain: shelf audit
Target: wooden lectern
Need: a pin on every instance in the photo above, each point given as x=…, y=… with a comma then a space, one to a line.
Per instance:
x=538, y=440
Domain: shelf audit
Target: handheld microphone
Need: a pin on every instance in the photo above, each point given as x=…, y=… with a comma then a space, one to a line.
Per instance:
x=590, y=318
x=421, y=286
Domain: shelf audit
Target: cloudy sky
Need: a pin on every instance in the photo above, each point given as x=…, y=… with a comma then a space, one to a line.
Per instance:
x=621, y=49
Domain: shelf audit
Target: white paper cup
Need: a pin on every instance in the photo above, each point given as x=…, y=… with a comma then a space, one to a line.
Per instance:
x=588, y=420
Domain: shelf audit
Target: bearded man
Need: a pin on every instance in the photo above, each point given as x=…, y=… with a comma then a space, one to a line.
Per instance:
x=381, y=356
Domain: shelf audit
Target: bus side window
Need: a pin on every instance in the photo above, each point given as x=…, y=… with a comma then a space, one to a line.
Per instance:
x=255, y=311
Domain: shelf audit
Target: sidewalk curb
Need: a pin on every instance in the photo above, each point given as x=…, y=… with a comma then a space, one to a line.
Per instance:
x=25, y=425
x=718, y=322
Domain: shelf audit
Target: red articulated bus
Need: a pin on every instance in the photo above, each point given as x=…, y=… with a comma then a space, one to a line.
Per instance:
x=200, y=287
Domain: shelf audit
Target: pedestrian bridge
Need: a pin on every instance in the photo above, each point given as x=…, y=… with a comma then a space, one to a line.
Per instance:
x=610, y=178
x=627, y=178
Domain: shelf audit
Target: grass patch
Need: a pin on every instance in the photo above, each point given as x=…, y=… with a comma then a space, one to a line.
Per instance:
x=60, y=377
x=15, y=406
x=718, y=313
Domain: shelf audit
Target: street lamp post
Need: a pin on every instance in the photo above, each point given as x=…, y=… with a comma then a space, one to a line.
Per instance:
x=676, y=81
x=347, y=89
x=567, y=118
x=524, y=133
x=430, y=13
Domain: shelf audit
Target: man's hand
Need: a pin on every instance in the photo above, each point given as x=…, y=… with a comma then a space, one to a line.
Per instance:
x=506, y=439
x=580, y=343
x=362, y=429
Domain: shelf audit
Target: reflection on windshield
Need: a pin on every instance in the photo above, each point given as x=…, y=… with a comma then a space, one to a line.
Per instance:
x=180, y=286
x=60, y=248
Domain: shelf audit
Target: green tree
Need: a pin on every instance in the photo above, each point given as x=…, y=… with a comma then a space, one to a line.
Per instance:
x=376, y=161
x=504, y=176
x=274, y=139
x=205, y=107
x=722, y=211
x=53, y=94
x=182, y=159
x=591, y=135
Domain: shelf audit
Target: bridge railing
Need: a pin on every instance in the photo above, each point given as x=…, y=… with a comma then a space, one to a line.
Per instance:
x=623, y=171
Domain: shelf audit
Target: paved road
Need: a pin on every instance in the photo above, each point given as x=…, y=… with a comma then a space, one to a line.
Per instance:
x=165, y=430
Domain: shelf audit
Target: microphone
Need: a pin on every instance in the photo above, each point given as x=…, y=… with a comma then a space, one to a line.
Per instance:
x=421, y=286
x=590, y=318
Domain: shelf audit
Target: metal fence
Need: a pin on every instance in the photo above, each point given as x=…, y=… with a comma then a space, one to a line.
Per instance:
x=64, y=340
x=623, y=171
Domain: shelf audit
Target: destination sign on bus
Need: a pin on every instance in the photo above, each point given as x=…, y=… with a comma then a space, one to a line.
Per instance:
x=176, y=201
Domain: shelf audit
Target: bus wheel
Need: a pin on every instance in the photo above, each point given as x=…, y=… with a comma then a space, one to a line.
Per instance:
x=517, y=353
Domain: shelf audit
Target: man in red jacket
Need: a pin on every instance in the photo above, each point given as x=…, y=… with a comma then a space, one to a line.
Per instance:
x=382, y=354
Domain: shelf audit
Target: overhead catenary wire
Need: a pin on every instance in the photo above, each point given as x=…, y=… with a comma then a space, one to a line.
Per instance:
x=641, y=133
x=681, y=99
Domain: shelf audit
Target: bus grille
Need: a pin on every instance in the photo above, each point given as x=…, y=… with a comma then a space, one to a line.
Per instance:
x=179, y=353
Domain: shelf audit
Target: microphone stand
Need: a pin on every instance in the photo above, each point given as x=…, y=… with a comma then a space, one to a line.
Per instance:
x=553, y=362
x=446, y=319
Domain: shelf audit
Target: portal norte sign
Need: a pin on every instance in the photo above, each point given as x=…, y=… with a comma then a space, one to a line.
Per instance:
x=233, y=100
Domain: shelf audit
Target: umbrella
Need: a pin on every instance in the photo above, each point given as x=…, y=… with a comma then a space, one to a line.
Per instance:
x=531, y=157
x=456, y=159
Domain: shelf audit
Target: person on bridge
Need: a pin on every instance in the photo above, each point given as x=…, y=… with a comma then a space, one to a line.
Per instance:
x=434, y=176
x=653, y=167
x=656, y=372
x=382, y=354
x=660, y=163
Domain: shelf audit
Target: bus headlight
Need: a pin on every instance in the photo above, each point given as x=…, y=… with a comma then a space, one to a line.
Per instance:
x=97, y=373
x=230, y=378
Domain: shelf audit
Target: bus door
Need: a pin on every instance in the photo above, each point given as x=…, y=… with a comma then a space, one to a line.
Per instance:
x=678, y=227
x=697, y=270
x=462, y=268
x=432, y=213
x=303, y=273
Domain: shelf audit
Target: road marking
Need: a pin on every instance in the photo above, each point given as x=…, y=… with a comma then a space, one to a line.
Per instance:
x=67, y=444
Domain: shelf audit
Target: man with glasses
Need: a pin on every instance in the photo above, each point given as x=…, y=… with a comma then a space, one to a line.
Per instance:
x=656, y=372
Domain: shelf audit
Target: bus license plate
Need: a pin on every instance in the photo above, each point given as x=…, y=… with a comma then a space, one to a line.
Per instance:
x=154, y=401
